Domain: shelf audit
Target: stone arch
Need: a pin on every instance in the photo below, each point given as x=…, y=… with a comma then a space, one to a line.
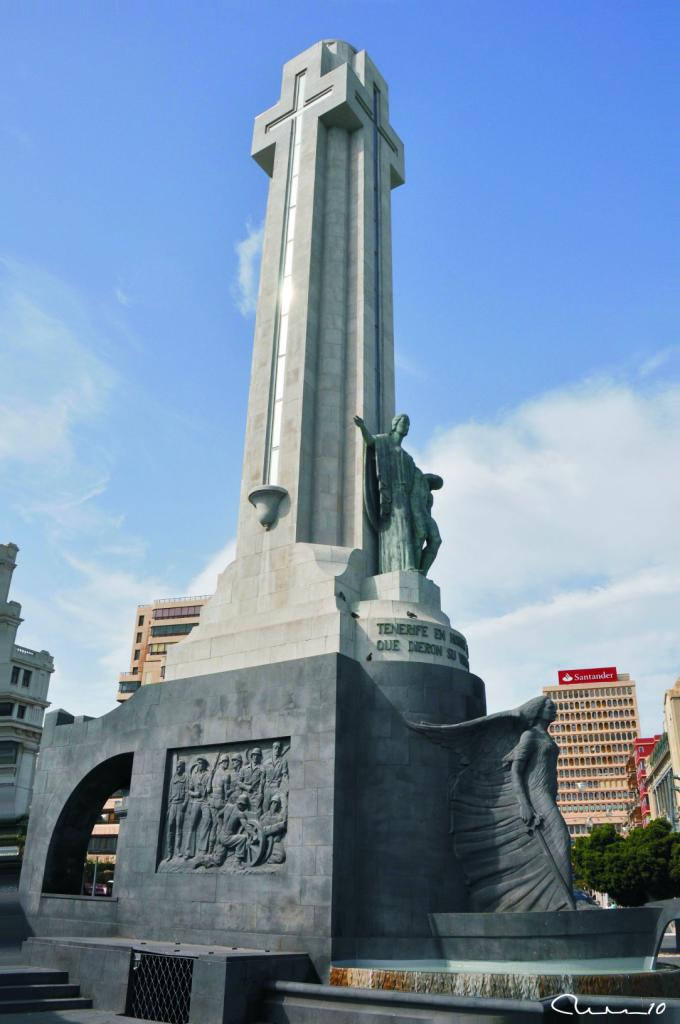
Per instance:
x=68, y=844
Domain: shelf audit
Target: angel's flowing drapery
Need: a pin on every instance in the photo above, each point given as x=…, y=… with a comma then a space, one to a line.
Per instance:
x=508, y=866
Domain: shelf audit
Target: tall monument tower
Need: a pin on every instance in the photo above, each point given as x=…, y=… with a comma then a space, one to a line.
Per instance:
x=323, y=338
x=323, y=352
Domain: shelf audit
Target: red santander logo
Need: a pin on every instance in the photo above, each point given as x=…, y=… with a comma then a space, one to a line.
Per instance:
x=587, y=675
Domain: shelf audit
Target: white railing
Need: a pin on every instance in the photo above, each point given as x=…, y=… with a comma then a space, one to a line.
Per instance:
x=25, y=651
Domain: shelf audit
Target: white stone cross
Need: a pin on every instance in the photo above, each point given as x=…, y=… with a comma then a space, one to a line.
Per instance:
x=323, y=347
x=300, y=104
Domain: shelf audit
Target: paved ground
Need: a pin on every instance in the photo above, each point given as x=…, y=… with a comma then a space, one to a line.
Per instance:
x=68, y=1017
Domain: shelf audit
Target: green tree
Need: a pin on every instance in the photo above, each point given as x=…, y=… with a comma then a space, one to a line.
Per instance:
x=642, y=867
x=588, y=856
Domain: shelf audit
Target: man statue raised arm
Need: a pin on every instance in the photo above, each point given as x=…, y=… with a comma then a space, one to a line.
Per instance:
x=398, y=500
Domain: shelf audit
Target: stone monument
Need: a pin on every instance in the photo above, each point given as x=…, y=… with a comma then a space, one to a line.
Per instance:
x=282, y=799
x=277, y=797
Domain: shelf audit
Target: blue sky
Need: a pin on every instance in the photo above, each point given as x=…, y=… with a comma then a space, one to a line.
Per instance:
x=536, y=313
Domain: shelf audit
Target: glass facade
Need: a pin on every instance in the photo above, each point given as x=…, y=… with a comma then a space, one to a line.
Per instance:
x=173, y=630
x=182, y=612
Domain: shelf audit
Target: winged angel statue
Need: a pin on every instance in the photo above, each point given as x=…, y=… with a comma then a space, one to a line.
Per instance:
x=509, y=835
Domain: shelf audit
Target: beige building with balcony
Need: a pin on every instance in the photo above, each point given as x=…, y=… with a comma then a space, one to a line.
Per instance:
x=596, y=728
x=24, y=681
x=158, y=626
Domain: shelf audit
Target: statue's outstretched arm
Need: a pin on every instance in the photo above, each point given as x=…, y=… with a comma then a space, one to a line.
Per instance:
x=518, y=760
x=369, y=440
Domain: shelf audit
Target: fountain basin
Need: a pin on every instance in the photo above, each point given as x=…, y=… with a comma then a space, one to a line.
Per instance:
x=531, y=955
x=509, y=980
x=566, y=936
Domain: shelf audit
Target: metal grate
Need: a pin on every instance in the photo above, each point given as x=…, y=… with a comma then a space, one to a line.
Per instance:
x=159, y=987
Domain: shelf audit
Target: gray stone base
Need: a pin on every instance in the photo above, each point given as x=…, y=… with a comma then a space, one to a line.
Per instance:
x=226, y=984
x=367, y=846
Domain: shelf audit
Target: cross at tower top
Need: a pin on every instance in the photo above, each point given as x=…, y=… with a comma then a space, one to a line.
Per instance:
x=323, y=337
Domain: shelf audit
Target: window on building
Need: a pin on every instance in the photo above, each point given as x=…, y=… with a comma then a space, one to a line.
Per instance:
x=175, y=630
x=136, y=657
x=139, y=638
x=140, y=620
x=21, y=710
x=162, y=671
x=135, y=671
x=183, y=612
x=16, y=672
x=102, y=844
x=158, y=648
x=26, y=678
x=6, y=709
x=8, y=752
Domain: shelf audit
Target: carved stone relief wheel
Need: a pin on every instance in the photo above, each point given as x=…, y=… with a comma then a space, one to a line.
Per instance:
x=256, y=844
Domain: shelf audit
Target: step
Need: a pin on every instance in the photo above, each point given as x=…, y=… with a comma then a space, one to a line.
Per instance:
x=31, y=976
x=37, y=1005
x=13, y=992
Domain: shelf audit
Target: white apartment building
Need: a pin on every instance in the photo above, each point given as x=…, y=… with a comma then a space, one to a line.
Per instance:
x=24, y=680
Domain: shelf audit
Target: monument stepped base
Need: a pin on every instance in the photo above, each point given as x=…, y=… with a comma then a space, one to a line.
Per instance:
x=315, y=599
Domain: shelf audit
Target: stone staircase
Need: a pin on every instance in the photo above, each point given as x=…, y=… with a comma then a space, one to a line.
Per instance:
x=31, y=989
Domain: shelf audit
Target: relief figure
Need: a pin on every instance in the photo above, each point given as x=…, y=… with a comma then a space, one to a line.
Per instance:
x=252, y=779
x=177, y=803
x=220, y=787
x=198, y=812
x=274, y=827
x=509, y=836
x=232, y=837
x=275, y=776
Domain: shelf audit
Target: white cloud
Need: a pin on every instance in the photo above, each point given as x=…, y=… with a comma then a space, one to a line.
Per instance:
x=655, y=362
x=205, y=582
x=560, y=538
x=249, y=252
x=52, y=380
x=99, y=599
x=411, y=367
x=56, y=416
x=58, y=389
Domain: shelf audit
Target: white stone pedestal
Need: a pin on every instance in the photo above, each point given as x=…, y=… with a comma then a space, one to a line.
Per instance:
x=315, y=599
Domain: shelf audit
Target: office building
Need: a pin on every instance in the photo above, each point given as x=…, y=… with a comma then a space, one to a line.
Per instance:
x=596, y=727
x=157, y=627
x=24, y=680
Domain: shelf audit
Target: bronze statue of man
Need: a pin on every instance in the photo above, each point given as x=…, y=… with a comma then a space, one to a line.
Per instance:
x=398, y=500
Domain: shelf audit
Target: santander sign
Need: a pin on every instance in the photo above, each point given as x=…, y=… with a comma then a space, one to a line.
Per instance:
x=588, y=675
